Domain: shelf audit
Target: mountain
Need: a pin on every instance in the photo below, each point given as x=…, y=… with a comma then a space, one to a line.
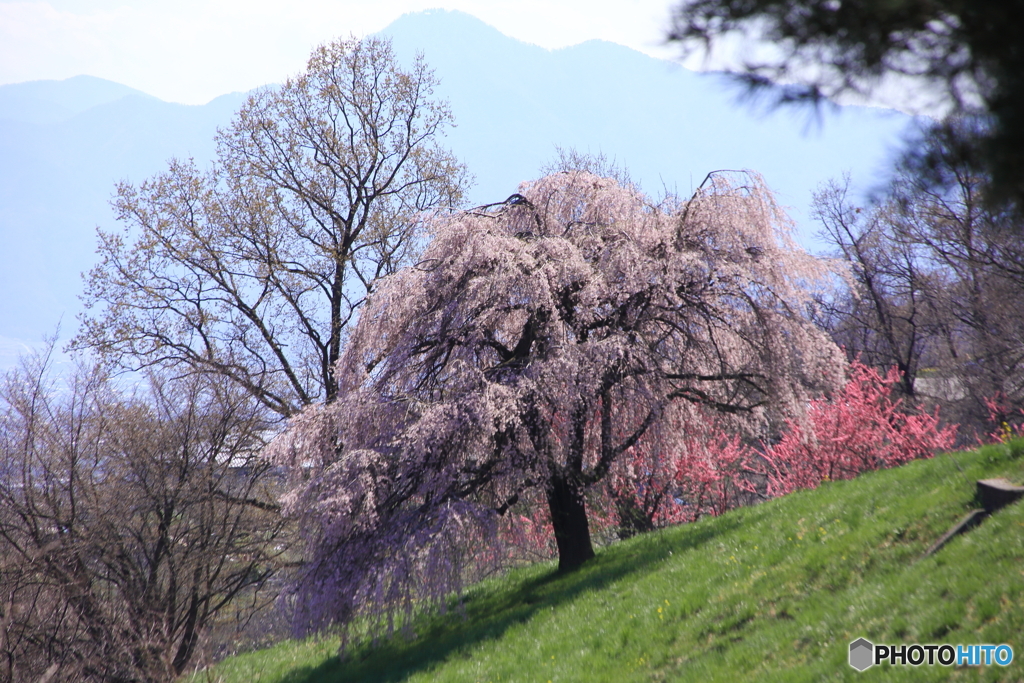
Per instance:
x=55, y=101
x=514, y=103
x=65, y=144
x=58, y=173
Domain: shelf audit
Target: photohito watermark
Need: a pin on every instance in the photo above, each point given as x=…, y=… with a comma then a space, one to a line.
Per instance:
x=865, y=654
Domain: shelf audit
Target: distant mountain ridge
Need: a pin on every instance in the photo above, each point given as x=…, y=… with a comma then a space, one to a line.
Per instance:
x=667, y=124
x=65, y=144
x=58, y=174
x=43, y=102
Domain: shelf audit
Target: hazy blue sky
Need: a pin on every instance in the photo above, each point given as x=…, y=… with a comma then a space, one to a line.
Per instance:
x=190, y=51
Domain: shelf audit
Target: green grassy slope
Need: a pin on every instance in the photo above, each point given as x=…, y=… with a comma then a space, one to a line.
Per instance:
x=770, y=593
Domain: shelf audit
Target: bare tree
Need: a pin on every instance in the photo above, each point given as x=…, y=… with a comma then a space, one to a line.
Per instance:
x=939, y=278
x=128, y=523
x=979, y=248
x=890, y=317
x=570, y=159
x=252, y=270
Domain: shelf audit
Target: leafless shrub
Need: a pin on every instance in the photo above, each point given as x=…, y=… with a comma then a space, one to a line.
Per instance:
x=128, y=522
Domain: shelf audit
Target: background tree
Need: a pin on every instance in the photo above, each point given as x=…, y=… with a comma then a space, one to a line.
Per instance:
x=939, y=277
x=569, y=159
x=968, y=52
x=253, y=269
x=889, y=318
x=128, y=523
x=535, y=343
x=979, y=250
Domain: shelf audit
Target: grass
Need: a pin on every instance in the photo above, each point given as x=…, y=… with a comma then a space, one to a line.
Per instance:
x=773, y=592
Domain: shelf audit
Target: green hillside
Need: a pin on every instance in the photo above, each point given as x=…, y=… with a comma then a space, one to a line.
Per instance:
x=774, y=592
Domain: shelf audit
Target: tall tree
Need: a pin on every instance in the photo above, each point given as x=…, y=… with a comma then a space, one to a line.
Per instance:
x=938, y=272
x=536, y=342
x=968, y=52
x=253, y=269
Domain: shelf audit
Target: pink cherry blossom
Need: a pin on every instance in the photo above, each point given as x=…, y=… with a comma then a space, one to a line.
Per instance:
x=540, y=346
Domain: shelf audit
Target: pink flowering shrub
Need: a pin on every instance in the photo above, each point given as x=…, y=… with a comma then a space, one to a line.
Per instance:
x=857, y=429
x=685, y=468
x=690, y=465
x=525, y=533
x=1002, y=419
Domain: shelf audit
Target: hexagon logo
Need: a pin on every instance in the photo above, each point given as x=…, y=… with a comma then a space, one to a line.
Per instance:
x=862, y=654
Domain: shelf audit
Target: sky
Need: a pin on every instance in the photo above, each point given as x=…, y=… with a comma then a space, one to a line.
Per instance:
x=190, y=51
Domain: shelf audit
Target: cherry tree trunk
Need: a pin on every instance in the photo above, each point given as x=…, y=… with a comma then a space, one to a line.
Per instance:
x=569, y=521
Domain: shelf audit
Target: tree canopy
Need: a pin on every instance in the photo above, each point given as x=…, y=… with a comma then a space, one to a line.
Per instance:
x=967, y=51
x=536, y=341
x=252, y=270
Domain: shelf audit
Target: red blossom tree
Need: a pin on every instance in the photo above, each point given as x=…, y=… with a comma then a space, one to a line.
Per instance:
x=537, y=343
x=857, y=429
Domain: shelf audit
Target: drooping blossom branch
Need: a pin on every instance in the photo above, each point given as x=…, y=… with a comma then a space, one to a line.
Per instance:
x=536, y=345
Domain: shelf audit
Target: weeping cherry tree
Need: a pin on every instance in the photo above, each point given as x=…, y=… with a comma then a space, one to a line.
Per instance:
x=535, y=343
